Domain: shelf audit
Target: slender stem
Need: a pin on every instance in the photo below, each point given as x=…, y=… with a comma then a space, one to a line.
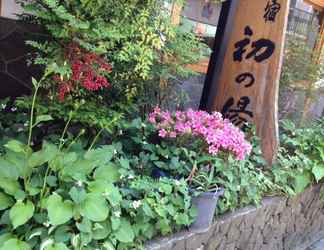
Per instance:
x=31, y=120
x=44, y=183
x=75, y=139
x=64, y=131
x=95, y=139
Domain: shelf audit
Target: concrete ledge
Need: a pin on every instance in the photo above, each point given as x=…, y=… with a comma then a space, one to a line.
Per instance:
x=279, y=223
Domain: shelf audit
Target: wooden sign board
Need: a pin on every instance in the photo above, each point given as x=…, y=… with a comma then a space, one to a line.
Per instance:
x=245, y=77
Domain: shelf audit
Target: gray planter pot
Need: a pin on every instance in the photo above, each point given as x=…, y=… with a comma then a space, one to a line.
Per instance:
x=206, y=206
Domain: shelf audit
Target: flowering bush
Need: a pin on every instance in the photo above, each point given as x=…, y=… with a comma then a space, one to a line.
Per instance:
x=89, y=71
x=216, y=133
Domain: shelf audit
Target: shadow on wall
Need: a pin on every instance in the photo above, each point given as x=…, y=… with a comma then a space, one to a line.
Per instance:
x=15, y=75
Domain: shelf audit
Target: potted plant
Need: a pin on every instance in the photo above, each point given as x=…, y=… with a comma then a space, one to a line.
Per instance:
x=204, y=139
x=206, y=194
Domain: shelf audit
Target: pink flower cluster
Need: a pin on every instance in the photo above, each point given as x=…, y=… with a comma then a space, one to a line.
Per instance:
x=219, y=134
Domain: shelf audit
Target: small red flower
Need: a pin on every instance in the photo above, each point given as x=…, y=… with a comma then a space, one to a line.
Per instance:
x=87, y=71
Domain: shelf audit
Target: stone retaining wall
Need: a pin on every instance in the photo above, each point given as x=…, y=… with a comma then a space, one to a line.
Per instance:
x=279, y=223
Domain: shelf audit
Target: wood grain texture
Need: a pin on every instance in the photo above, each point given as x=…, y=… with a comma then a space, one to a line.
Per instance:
x=263, y=93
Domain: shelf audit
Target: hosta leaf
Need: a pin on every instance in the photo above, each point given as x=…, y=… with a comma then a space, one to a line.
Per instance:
x=15, y=244
x=42, y=118
x=113, y=195
x=62, y=234
x=59, y=212
x=103, y=154
x=5, y=201
x=8, y=170
x=19, y=161
x=107, y=172
x=94, y=207
x=101, y=230
x=58, y=246
x=77, y=194
x=5, y=237
x=108, y=246
x=21, y=212
x=16, y=146
x=9, y=186
x=79, y=169
x=318, y=171
x=125, y=232
x=301, y=182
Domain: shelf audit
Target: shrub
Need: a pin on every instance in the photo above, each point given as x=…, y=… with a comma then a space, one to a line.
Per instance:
x=135, y=37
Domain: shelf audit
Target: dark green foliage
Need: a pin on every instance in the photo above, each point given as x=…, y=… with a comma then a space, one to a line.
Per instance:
x=136, y=37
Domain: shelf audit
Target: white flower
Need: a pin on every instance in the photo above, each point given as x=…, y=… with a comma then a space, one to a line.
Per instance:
x=26, y=124
x=115, y=151
x=13, y=109
x=79, y=183
x=3, y=106
x=117, y=214
x=46, y=224
x=177, y=183
x=137, y=204
x=20, y=129
x=130, y=177
x=120, y=132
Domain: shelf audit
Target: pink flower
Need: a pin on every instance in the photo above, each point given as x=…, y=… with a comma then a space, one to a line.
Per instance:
x=217, y=133
x=163, y=133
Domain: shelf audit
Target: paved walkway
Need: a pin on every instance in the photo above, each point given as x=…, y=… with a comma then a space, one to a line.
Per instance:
x=319, y=245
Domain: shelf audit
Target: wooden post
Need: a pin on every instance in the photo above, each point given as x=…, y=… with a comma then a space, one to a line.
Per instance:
x=176, y=14
x=244, y=80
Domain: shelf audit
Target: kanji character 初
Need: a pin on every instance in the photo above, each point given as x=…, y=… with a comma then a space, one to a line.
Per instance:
x=234, y=114
x=262, y=49
x=271, y=11
x=245, y=77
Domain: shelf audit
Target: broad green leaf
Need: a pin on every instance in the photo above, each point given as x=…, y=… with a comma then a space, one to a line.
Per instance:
x=15, y=244
x=9, y=186
x=42, y=118
x=5, y=201
x=108, y=246
x=78, y=195
x=59, y=212
x=182, y=219
x=16, y=146
x=8, y=170
x=107, y=172
x=19, y=161
x=85, y=226
x=79, y=169
x=62, y=234
x=113, y=195
x=48, y=153
x=103, y=154
x=98, y=186
x=125, y=232
x=318, y=172
x=5, y=237
x=101, y=230
x=301, y=182
x=94, y=207
x=58, y=246
x=21, y=212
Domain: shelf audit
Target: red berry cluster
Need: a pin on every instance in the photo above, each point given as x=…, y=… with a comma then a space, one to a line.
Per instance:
x=88, y=70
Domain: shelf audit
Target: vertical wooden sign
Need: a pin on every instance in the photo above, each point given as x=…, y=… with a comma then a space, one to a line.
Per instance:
x=245, y=78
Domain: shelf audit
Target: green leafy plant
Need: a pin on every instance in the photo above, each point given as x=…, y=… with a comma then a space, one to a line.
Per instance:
x=137, y=38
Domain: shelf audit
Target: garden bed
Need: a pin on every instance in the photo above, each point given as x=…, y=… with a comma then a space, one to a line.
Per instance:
x=279, y=223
